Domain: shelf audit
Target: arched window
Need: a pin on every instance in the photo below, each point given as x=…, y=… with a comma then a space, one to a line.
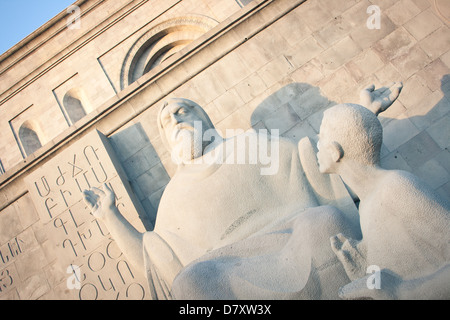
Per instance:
x=75, y=104
x=160, y=43
x=29, y=138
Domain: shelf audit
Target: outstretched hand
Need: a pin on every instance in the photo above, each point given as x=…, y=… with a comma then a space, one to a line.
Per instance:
x=99, y=201
x=346, y=250
x=381, y=99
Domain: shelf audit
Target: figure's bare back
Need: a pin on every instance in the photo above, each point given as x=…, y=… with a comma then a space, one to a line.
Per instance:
x=404, y=224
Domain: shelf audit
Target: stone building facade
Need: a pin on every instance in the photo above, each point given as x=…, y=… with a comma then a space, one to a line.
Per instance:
x=80, y=96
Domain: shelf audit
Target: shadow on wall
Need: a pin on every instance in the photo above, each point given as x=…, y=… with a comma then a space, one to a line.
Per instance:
x=296, y=110
x=417, y=141
x=139, y=159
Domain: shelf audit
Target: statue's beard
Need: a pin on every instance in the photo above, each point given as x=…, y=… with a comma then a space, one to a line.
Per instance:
x=188, y=145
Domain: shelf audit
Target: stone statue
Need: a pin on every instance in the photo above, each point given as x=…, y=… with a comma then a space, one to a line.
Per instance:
x=405, y=225
x=228, y=227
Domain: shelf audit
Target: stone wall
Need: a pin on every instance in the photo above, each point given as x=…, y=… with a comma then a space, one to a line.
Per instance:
x=272, y=64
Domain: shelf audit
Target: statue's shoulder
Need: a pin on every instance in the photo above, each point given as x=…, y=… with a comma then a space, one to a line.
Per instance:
x=411, y=193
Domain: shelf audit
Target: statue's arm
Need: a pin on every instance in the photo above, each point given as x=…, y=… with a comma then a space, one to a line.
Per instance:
x=129, y=240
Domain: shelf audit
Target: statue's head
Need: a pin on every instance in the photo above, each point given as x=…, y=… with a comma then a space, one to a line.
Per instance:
x=348, y=132
x=182, y=124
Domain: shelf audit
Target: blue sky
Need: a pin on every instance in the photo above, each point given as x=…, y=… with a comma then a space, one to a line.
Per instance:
x=19, y=18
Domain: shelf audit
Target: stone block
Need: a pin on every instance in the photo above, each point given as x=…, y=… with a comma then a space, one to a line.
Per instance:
x=238, y=120
x=129, y=141
x=10, y=224
x=444, y=191
x=435, y=74
x=34, y=287
x=308, y=73
x=336, y=84
x=432, y=173
x=336, y=56
x=445, y=58
x=250, y=87
x=423, y=24
x=153, y=179
x=304, y=51
x=292, y=28
x=440, y=131
x=230, y=70
x=337, y=7
x=436, y=43
x=388, y=74
x=31, y=263
x=315, y=14
x=430, y=109
x=209, y=84
x=10, y=280
x=366, y=63
x=136, y=165
x=283, y=119
x=365, y=37
x=402, y=11
x=419, y=150
x=145, y=98
x=422, y=4
x=384, y=4
x=398, y=132
x=228, y=102
x=411, y=62
x=276, y=70
x=26, y=211
x=309, y=102
x=333, y=31
x=394, y=161
x=414, y=90
x=394, y=45
x=299, y=131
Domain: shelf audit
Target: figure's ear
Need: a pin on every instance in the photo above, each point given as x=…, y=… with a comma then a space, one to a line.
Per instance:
x=336, y=151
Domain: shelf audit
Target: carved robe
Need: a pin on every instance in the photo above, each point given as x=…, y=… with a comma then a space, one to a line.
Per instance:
x=207, y=209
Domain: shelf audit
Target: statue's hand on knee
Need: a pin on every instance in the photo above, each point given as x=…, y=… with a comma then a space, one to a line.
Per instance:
x=350, y=254
x=381, y=99
x=100, y=201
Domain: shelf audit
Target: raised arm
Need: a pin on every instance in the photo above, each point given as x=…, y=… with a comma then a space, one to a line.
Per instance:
x=130, y=241
x=381, y=99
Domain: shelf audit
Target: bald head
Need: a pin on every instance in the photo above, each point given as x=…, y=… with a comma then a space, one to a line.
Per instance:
x=354, y=130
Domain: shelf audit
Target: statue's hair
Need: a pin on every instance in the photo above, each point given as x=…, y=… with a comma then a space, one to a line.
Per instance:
x=186, y=102
x=356, y=129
